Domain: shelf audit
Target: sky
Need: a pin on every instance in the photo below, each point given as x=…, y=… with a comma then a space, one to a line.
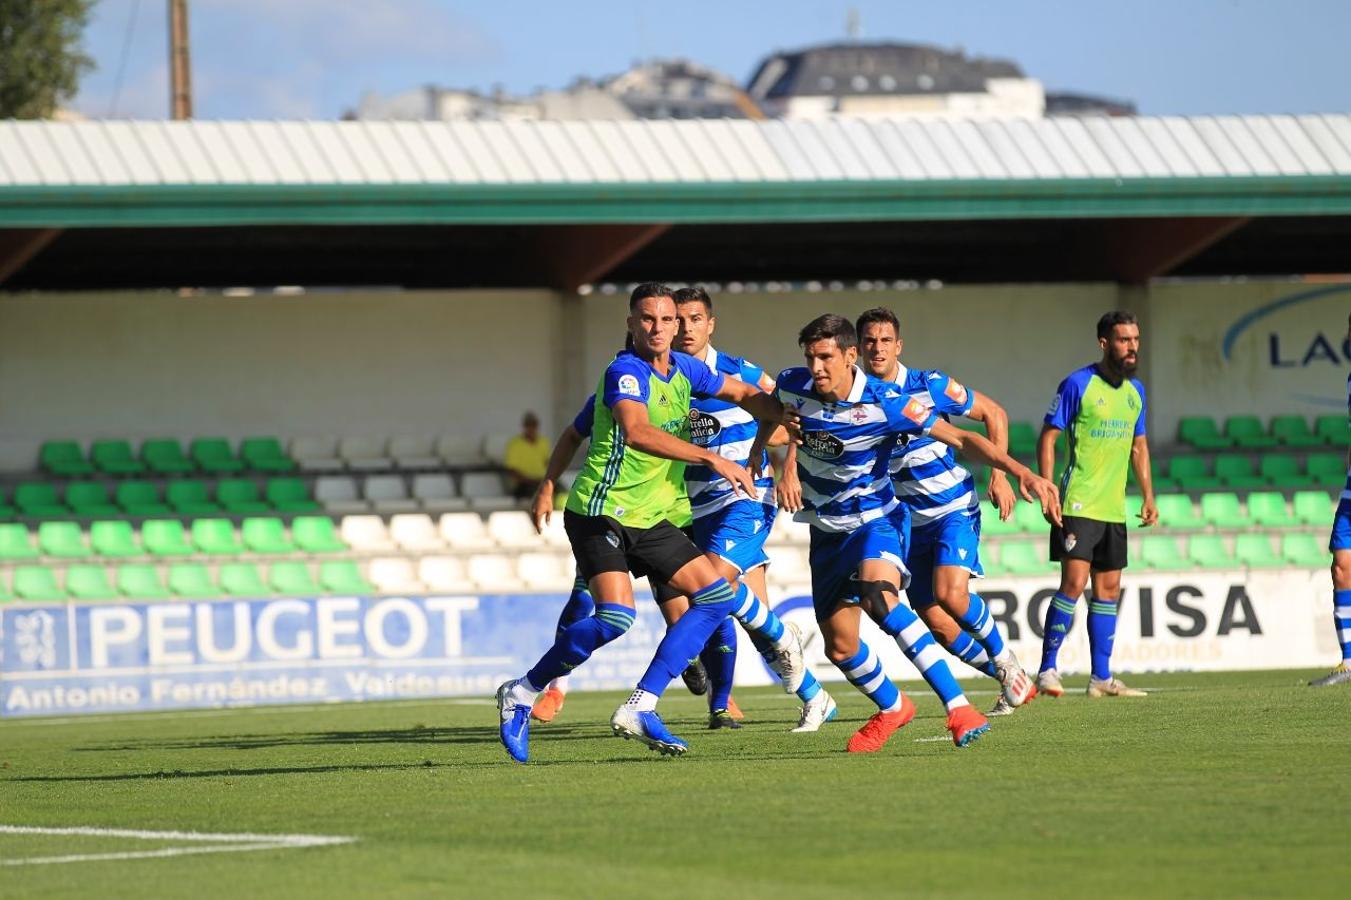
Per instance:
x=314, y=59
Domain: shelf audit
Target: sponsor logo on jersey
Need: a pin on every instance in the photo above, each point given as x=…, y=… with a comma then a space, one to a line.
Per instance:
x=956, y=393
x=1055, y=405
x=703, y=427
x=822, y=444
x=628, y=386
x=915, y=411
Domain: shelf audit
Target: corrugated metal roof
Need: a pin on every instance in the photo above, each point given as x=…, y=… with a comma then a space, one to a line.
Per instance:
x=668, y=152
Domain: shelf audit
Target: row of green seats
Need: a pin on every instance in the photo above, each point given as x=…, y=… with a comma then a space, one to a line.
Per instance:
x=1248, y=433
x=1223, y=510
x=186, y=497
x=1195, y=473
x=165, y=456
x=1253, y=551
x=132, y=581
x=168, y=537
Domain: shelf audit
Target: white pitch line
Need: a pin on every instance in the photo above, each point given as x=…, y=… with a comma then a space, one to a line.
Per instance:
x=224, y=843
x=280, y=709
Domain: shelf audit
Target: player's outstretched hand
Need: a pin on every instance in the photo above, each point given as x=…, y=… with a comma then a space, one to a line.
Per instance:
x=788, y=491
x=1001, y=495
x=1036, y=489
x=738, y=476
x=1149, y=514
x=542, y=507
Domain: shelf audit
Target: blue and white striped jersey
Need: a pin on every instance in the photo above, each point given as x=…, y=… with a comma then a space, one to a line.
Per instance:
x=727, y=430
x=1346, y=488
x=925, y=473
x=846, y=447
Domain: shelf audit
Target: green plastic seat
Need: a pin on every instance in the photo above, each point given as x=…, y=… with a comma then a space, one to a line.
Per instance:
x=89, y=499
x=64, y=540
x=1022, y=439
x=64, y=458
x=192, y=580
x=114, y=539
x=1161, y=552
x=240, y=496
x=1158, y=471
x=1236, y=471
x=343, y=576
x=292, y=578
x=1282, y=470
x=5, y=593
x=1268, y=509
x=241, y=580
x=317, y=534
x=1255, y=552
x=88, y=582
x=140, y=499
x=289, y=495
x=164, y=456
x=1224, y=511
x=1177, y=513
x=1192, y=473
x=141, y=581
x=215, y=456
x=1028, y=518
x=1334, y=430
x=1248, y=433
x=265, y=534
x=1314, y=508
x=1209, y=552
x=37, y=583
x=265, y=454
x=1326, y=469
x=38, y=500
x=165, y=537
x=115, y=458
x=1024, y=557
x=1294, y=431
x=1202, y=433
x=990, y=523
x=16, y=542
x=216, y=537
x=1304, y=550
x=190, y=497
x=6, y=511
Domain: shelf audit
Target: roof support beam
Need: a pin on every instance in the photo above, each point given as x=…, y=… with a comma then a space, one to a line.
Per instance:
x=19, y=245
x=581, y=254
x=1141, y=249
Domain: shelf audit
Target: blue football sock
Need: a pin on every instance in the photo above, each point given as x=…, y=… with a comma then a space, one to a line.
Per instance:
x=1101, y=632
x=920, y=648
x=708, y=607
x=580, y=605
x=965, y=648
x=1059, y=618
x=758, y=619
x=578, y=641
x=719, y=659
x=864, y=671
x=1341, y=618
x=981, y=625
x=810, y=687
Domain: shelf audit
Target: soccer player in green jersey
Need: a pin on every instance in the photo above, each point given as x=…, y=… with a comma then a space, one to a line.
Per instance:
x=1101, y=408
x=615, y=519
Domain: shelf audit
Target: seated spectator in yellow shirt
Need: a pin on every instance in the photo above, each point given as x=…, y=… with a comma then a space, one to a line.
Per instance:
x=527, y=459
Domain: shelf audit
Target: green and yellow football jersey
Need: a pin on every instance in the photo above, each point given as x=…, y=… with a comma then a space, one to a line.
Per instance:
x=1101, y=422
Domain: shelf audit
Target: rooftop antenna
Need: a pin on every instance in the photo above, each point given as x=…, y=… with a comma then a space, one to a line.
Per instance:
x=853, y=24
x=180, y=70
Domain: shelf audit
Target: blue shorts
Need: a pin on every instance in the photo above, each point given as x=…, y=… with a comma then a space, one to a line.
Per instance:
x=1341, y=527
x=953, y=540
x=737, y=533
x=835, y=558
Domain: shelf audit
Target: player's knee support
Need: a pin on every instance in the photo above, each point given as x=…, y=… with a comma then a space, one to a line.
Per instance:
x=873, y=596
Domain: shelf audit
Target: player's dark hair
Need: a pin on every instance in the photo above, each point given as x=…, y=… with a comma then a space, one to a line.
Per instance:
x=1114, y=318
x=875, y=316
x=648, y=289
x=828, y=327
x=694, y=294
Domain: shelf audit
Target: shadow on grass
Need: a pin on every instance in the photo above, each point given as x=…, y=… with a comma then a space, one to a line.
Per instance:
x=431, y=737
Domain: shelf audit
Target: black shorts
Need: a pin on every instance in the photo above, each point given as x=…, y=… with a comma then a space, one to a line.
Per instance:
x=1102, y=544
x=600, y=544
x=661, y=591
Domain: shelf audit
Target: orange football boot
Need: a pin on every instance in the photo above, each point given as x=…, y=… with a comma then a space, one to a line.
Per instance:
x=548, y=705
x=733, y=710
x=966, y=725
x=878, y=729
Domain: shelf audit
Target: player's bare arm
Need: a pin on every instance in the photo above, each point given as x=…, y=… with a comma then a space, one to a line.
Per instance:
x=1144, y=476
x=643, y=435
x=1031, y=486
x=1046, y=450
x=565, y=450
x=996, y=419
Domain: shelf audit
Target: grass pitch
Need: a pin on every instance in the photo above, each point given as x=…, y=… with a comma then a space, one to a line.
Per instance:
x=1216, y=786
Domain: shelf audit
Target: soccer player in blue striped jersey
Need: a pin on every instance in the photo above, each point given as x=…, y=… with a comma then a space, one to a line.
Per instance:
x=1340, y=546
x=731, y=529
x=848, y=424
x=941, y=511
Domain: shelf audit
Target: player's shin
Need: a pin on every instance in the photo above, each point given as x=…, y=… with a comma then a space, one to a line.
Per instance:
x=719, y=659
x=709, y=606
x=1059, y=620
x=1101, y=635
x=965, y=648
x=577, y=642
x=864, y=671
x=978, y=622
x=919, y=646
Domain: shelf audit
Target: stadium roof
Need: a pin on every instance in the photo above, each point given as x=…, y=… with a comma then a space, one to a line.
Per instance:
x=914, y=197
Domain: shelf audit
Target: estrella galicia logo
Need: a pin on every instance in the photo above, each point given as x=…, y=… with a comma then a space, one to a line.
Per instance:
x=822, y=444
x=703, y=427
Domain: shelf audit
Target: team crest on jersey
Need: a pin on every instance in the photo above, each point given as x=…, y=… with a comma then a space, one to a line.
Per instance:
x=1132, y=402
x=956, y=393
x=628, y=386
x=915, y=411
x=703, y=427
x=859, y=415
x=1070, y=541
x=822, y=444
